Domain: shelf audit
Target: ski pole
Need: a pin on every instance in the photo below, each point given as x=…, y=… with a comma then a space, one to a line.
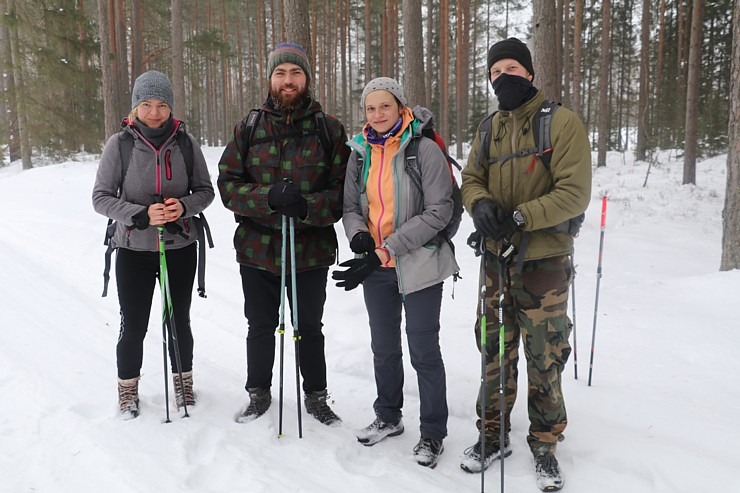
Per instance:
x=573, y=305
x=483, y=357
x=296, y=332
x=281, y=328
x=598, y=283
x=168, y=321
x=507, y=249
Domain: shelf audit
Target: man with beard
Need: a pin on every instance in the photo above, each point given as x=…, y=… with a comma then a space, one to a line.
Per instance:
x=280, y=166
x=517, y=200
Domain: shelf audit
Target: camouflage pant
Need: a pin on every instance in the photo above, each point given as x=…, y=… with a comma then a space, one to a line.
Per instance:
x=535, y=304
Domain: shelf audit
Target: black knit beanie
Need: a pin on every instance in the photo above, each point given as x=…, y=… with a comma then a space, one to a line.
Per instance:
x=510, y=48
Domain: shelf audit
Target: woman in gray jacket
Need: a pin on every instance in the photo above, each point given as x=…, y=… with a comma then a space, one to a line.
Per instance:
x=157, y=191
x=393, y=224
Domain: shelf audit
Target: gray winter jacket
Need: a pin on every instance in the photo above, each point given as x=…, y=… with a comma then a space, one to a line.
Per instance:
x=150, y=172
x=423, y=259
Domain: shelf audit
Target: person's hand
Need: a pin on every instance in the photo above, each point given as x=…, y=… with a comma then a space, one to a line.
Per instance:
x=286, y=198
x=358, y=270
x=140, y=220
x=507, y=225
x=362, y=242
x=282, y=194
x=485, y=217
x=173, y=209
x=298, y=209
x=476, y=242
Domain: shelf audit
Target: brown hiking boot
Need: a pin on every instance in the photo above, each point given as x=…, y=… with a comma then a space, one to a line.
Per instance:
x=128, y=397
x=183, y=392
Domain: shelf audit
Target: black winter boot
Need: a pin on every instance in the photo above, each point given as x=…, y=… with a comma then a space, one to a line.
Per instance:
x=259, y=403
x=317, y=407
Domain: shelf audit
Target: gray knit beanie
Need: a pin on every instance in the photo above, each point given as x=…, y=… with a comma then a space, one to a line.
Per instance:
x=152, y=85
x=289, y=53
x=384, y=84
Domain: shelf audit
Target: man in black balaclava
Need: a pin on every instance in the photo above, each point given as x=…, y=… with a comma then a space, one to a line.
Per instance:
x=516, y=199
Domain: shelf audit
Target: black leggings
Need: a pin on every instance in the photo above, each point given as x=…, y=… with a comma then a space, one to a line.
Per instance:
x=136, y=275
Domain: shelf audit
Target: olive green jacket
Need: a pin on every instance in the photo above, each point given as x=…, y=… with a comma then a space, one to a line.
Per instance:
x=545, y=197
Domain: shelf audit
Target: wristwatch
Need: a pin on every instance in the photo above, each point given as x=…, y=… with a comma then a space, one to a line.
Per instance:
x=518, y=218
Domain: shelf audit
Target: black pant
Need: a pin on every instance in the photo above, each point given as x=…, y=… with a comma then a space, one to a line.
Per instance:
x=262, y=309
x=136, y=273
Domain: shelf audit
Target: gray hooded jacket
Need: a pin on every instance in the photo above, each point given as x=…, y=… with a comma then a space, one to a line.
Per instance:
x=150, y=172
x=423, y=259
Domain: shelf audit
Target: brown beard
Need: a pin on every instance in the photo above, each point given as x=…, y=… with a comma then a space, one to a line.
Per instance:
x=289, y=103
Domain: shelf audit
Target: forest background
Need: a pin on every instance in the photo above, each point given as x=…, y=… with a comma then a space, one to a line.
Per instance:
x=644, y=76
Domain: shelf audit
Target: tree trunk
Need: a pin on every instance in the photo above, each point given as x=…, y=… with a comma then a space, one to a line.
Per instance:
x=20, y=96
x=110, y=106
x=368, y=47
x=137, y=41
x=731, y=214
x=567, y=102
x=413, y=60
x=178, y=63
x=119, y=31
x=428, y=75
x=545, y=52
x=692, y=93
x=298, y=26
x=577, y=34
x=10, y=112
x=461, y=73
x=604, y=82
x=642, y=113
x=444, y=64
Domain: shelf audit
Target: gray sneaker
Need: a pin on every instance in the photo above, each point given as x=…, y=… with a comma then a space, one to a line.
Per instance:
x=378, y=431
x=471, y=461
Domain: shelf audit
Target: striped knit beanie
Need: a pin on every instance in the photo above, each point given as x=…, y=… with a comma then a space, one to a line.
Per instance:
x=289, y=53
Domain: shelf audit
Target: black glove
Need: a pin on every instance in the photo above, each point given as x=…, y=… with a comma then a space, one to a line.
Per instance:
x=507, y=225
x=362, y=242
x=485, y=217
x=296, y=209
x=475, y=241
x=359, y=269
x=141, y=219
x=282, y=194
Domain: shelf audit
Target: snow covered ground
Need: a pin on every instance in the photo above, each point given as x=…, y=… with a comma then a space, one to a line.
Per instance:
x=661, y=415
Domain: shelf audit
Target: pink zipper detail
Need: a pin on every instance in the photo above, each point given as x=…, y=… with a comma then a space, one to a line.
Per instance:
x=380, y=192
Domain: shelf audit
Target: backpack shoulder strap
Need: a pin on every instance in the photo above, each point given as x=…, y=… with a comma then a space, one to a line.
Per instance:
x=247, y=130
x=323, y=129
x=484, y=128
x=412, y=162
x=542, y=127
x=125, y=149
x=186, y=147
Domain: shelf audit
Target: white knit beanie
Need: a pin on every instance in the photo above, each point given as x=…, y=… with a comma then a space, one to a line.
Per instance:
x=384, y=84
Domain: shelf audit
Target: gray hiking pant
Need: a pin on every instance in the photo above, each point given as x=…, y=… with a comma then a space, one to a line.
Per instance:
x=422, y=309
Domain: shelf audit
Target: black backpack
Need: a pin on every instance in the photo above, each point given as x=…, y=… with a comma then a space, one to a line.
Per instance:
x=126, y=148
x=542, y=150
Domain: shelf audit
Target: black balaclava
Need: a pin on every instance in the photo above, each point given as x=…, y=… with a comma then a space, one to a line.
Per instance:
x=512, y=91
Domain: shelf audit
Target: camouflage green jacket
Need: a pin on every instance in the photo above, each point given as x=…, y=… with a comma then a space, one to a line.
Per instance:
x=284, y=146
